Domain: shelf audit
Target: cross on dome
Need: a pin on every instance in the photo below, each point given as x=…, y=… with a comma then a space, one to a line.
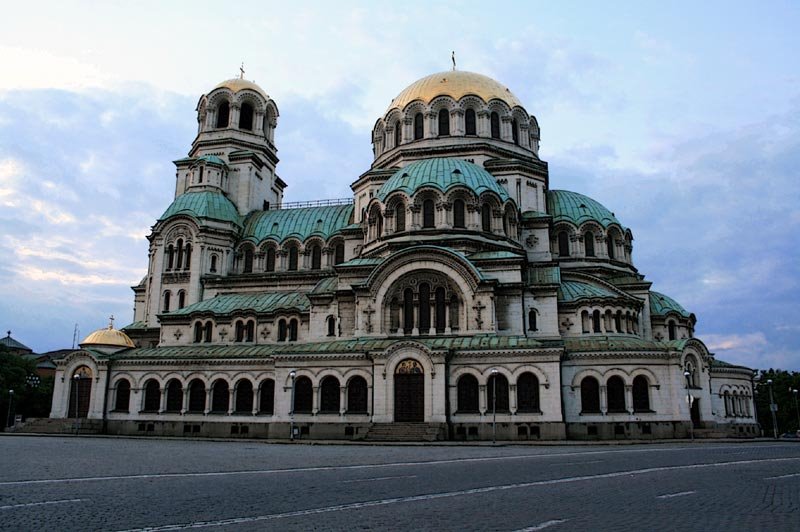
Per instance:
x=241, y=71
x=111, y=322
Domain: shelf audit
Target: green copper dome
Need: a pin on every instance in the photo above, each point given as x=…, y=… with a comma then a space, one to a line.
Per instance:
x=576, y=208
x=442, y=174
x=661, y=305
x=298, y=223
x=205, y=204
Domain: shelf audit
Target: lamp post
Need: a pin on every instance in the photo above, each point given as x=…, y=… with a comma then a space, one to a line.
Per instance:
x=75, y=379
x=796, y=409
x=292, y=375
x=773, y=408
x=688, y=375
x=10, y=400
x=494, y=406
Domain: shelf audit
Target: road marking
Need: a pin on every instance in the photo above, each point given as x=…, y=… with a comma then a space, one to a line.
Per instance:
x=148, y=476
x=542, y=526
x=790, y=475
x=671, y=495
x=376, y=478
x=448, y=494
x=25, y=505
x=576, y=463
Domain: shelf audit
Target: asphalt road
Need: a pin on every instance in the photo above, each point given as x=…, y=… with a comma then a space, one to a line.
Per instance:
x=73, y=483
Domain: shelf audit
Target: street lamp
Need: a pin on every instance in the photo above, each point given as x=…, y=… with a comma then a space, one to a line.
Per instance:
x=773, y=408
x=292, y=375
x=688, y=376
x=10, y=400
x=796, y=410
x=494, y=406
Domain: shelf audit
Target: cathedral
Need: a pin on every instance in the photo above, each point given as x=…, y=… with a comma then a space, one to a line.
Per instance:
x=456, y=295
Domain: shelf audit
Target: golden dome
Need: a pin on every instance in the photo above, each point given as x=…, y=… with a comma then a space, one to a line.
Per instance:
x=108, y=337
x=456, y=84
x=238, y=84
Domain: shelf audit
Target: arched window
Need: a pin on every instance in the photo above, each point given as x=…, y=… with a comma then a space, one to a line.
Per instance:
x=316, y=257
x=152, y=396
x=440, y=310
x=123, y=398
x=424, y=308
x=398, y=134
x=174, y=396
x=244, y=396
x=532, y=320
x=188, y=254
x=378, y=225
x=292, y=258
x=181, y=299
x=563, y=244
x=167, y=296
x=219, y=396
x=223, y=114
x=200, y=175
x=198, y=332
x=400, y=217
x=494, y=119
x=428, y=216
x=590, y=396
x=293, y=330
x=486, y=218
x=250, y=331
x=329, y=395
x=248, y=261
x=444, y=122
x=213, y=268
x=453, y=312
x=528, y=393
x=585, y=322
x=338, y=253
x=357, y=396
x=246, y=117
x=197, y=396
x=239, y=331
x=691, y=368
x=469, y=122
x=270, y=266
x=596, y=321
x=408, y=310
x=331, y=322
x=671, y=329
x=266, y=403
x=170, y=256
x=207, y=330
x=610, y=246
x=179, y=253
x=281, y=330
x=641, y=394
x=515, y=131
x=588, y=243
x=615, y=389
x=458, y=214
x=497, y=390
x=419, y=130
x=303, y=395
x=727, y=397
x=467, y=394
x=618, y=322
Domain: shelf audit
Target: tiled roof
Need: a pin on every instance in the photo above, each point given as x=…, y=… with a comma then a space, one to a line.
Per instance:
x=326, y=285
x=205, y=204
x=661, y=305
x=301, y=223
x=260, y=303
x=442, y=174
x=362, y=261
x=575, y=290
x=577, y=208
x=13, y=344
x=615, y=343
x=487, y=255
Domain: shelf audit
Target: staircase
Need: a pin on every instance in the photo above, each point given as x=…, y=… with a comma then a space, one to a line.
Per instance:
x=403, y=432
x=45, y=425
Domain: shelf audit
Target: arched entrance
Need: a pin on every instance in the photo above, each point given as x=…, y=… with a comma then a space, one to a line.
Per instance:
x=696, y=413
x=80, y=393
x=409, y=391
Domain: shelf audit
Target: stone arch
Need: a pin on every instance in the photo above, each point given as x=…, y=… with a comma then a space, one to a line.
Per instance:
x=586, y=372
x=529, y=368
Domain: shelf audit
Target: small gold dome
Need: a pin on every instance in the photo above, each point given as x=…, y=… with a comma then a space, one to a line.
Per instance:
x=239, y=84
x=456, y=84
x=108, y=337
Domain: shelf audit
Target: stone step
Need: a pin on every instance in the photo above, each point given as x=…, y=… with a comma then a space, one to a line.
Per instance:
x=59, y=426
x=403, y=432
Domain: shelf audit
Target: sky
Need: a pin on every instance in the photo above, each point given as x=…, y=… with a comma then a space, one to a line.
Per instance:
x=683, y=118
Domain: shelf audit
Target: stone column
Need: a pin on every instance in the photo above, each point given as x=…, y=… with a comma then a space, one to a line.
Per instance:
x=603, y=400
x=256, y=399
x=163, y=406
x=512, y=398
x=415, y=318
x=208, y=401
x=315, y=401
x=482, y=399
x=432, y=329
x=447, y=329
x=231, y=403
x=629, y=398
x=342, y=400
x=185, y=405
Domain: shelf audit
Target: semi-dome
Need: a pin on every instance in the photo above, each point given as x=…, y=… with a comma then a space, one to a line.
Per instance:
x=661, y=305
x=203, y=204
x=567, y=206
x=108, y=337
x=442, y=174
x=456, y=84
x=239, y=84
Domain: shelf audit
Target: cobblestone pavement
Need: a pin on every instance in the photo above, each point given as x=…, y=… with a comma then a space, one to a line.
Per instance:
x=73, y=483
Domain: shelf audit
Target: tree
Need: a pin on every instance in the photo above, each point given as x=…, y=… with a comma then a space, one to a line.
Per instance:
x=782, y=384
x=28, y=401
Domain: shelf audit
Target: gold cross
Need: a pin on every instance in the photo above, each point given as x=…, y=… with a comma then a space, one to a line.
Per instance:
x=111, y=322
x=241, y=71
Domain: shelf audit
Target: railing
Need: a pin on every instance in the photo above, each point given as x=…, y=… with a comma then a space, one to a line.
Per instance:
x=315, y=203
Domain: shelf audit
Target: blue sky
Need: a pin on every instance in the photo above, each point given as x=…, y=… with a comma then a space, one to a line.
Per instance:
x=683, y=119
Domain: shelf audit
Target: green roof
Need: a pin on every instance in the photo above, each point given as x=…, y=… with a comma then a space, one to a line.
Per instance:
x=575, y=290
x=13, y=344
x=488, y=255
x=212, y=159
x=544, y=275
x=260, y=303
x=326, y=285
x=442, y=174
x=301, y=223
x=614, y=343
x=661, y=305
x=577, y=209
x=204, y=204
